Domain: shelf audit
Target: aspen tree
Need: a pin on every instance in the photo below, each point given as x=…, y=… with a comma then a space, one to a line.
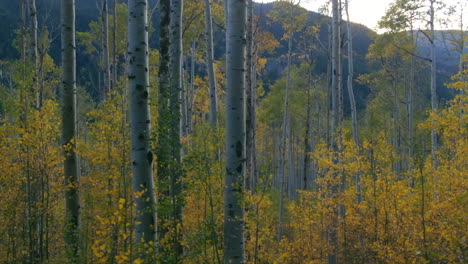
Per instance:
x=336, y=116
x=163, y=144
x=169, y=129
x=292, y=24
x=307, y=135
x=71, y=167
x=141, y=154
x=210, y=64
x=34, y=53
x=175, y=159
x=352, y=100
x=105, y=47
x=114, y=72
x=234, y=245
x=434, y=144
x=250, y=97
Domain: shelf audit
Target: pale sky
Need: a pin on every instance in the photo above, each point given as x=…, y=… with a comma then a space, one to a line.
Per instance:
x=366, y=12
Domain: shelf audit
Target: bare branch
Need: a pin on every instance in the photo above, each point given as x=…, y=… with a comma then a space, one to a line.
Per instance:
x=412, y=53
x=427, y=36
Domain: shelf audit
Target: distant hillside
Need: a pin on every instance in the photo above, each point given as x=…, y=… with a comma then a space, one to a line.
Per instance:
x=363, y=37
x=86, y=11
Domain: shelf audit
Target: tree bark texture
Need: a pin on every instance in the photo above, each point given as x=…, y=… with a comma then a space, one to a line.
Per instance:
x=352, y=100
x=71, y=168
x=234, y=245
x=141, y=154
x=210, y=64
x=250, y=93
x=434, y=143
x=283, y=143
x=34, y=53
x=105, y=47
x=174, y=160
x=114, y=71
x=162, y=148
x=334, y=133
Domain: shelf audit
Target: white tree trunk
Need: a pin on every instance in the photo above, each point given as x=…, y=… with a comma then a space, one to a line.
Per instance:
x=434, y=144
x=334, y=72
x=34, y=53
x=210, y=64
x=235, y=133
x=336, y=113
x=283, y=143
x=253, y=117
x=250, y=102
x=105, y=47
x=191, y=90
x=114, y=48
x=291, y=172
x=352, y=100
x=71, y=168
x=141, y=154
x=307, y=144
x=410, y=105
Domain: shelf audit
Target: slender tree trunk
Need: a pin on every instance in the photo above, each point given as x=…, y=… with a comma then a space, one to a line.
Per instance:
x=41, y=76
x=334, y=73
x=282, y=148
x=339, y=74
x=105, y=47
x=71, y=168
x=463, y=62
x=141, y=154
x=210, y=64
x=191, y=89
x=291, y=174
x=307, y=146
x=315, y=135
x=249, y=126
x=164, y=118
x=34, y=54
x=352, y=100
x=175, y=188
x=169, y=146
x=330, y=84
x=410, y=106
x=43, y=46
x=434, y=143
x=396, y=128
x=115, y=67
x=33, y=195
x=184, y=98
x=336, y=115
x=423, y=215
x=253, y=116
x=234, y=250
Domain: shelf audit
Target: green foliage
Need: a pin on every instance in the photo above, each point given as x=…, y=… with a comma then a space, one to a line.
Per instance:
x=291, y=16
x=92, y=39
x=204, y=185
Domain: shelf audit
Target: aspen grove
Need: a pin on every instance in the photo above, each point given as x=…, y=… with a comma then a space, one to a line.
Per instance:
x=234, y=132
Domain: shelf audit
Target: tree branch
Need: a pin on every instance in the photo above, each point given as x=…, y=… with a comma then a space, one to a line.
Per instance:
x=428, y=38
x=412, y=53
